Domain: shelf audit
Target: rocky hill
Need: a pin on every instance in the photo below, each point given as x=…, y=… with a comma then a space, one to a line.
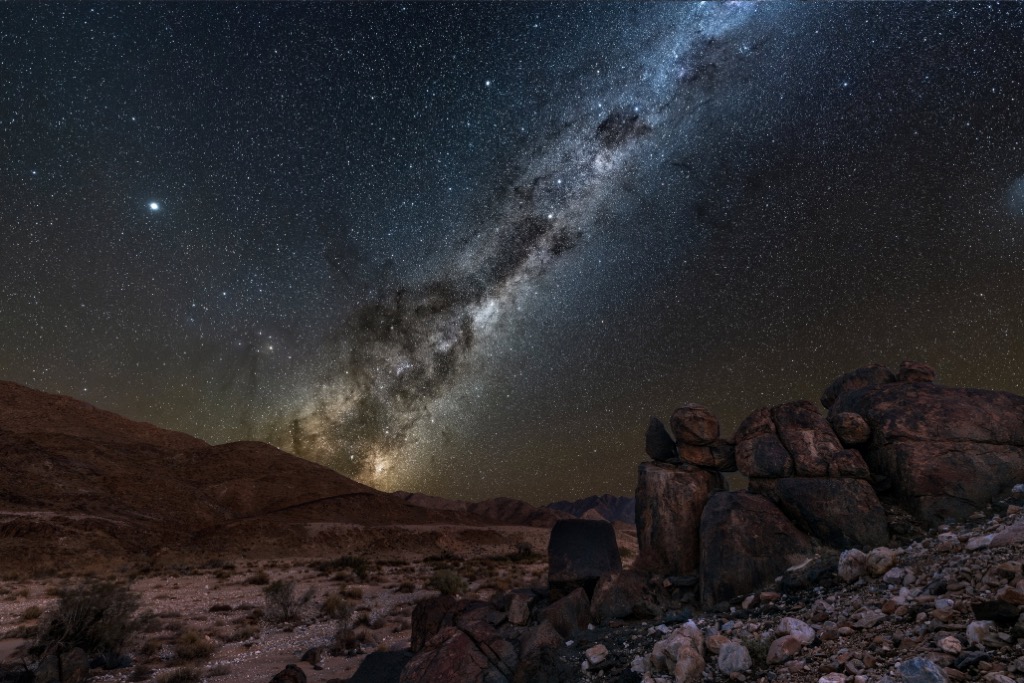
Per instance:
x=83, y=483
x=499, y=510
x=605, y=506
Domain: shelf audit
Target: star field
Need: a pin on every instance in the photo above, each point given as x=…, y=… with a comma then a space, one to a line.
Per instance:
x=468, y=249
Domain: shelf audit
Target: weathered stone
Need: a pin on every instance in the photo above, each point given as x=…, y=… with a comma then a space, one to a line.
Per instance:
x=689, y=666
x=763, y=455
x=290, y=674
x=807, y=436
x=429, y=616
x=723, y=456
x=669, y=502
x=472, y=652
x=851, y=428
x=381, y=667
x=570, y=615
x=518, y=610
x=912, y=371
x=783, y=649
x=695, y=455
x=579, y=552
x=620, y=595
x=733, y=657
x=880, y=560
x=657, y=443
x=997, y=611
x=757, y=423
x=921, y=670
x=870, y=375
x=848, y=463
x=951, y=645
x=791, y=626
x=596, y=654
x=843, y=513
x=694, y=424
x=745, y=542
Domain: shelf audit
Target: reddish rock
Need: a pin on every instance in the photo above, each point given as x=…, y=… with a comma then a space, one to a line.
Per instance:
x=848, y=463
x=763, y=456
x=657, y=443
x=579, y=552
x=745, y=542
x=695, y=455
x=723, y=456
x=694, y=424
x=453, y=654
x=783, y=649
x=570, y=615
x=669, y=502
x=807, y=436
x=620, y=595
x=757, y=423
x=433, y=614
x=851, y=428
x=912, y=371
x=844, y=513
x=870, y=375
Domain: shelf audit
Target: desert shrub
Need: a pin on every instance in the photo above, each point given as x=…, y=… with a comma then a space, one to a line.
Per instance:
x=243, y=632
x=336, y=607
x=406, y=587
x=354, y=592
x=140, y=673
x=448, y=582
x=218, y=670
x=33, y=612
x=625, y=553
x=260, y=578
x=95, y=616
x=149, y=648
x=185, y=674
x=192, y=645
x=359, y=566
x=282, y=602
x=220, y=608
x=758, y=650
x=524, y=552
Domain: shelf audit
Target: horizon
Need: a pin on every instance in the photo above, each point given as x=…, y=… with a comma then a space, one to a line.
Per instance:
x=468, y=250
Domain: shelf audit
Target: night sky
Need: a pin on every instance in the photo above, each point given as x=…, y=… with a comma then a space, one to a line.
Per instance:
x=468, y=249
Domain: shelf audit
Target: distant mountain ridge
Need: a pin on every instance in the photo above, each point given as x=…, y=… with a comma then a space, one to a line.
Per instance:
x=608, y=507
x=500, y=510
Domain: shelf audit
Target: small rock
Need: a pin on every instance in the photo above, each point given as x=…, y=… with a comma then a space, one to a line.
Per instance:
x=950, y=645
x=834, y=677
x=1011, y=595
x=996, y=677
x=979, y=632
x=894, y=576
x=519, y=611
x=689, y=666
x=596, y=654
x=783, y=649
x=733, y=657
x=715, y=642
x=979, y=542
x=638, y=665
x=796, y=628
x=880, y=560
x=868, y=618
x=852, y=565
x=921, y=670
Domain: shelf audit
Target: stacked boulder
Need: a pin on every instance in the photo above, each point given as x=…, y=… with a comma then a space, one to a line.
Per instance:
x=943, y=453
x=672, y=490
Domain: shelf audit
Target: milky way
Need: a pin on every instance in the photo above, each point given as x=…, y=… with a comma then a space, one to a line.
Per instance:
x=468, y=249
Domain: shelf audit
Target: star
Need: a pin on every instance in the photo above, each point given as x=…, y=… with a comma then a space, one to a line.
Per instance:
x=154, y=206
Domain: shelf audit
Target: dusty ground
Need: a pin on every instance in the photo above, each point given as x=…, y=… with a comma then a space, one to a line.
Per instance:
x=221, y=605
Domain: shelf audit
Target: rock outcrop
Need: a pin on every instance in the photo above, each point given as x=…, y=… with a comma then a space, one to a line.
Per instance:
x=579, y=552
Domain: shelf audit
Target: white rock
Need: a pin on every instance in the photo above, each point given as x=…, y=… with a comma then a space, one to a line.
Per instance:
x=639, y=665
x=894, y=576
x=733, y=657
x=943, y=603
x=978, y=632
x=852, y=565
x=950, y=645
x=796, y=628
x=979, y=542
x=834, y=677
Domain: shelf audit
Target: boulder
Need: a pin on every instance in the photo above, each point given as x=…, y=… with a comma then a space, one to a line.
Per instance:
x=569, y=615
x=382, y=667
x=851, y=428
x=945, y=452
x=579, y=552
x=694, y=424
x=619, y=595
x=538, y=659
x=723, y=456
x=657, y=443
x=763, y=456
x=745, y=542
x=474, y=651
x=290, y=674
x=912, y=371
x=870, y=375
x=844, y=513
x=807, y=436
x=734, y=657
x=431, y=615
x=669, y=502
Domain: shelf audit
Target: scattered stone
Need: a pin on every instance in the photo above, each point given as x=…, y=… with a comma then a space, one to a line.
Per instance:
x=852, y=565
x=951, y=645
x=569, y=615
x=794, y=627
x=783, y=649
x=921, y=670
x=689, y=666
x=997, y=611
x=519, y=610
x=879, y=561
x=732, y=657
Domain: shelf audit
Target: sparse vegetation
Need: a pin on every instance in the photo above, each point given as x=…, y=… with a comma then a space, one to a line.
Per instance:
x=95, y=616
x=30, y=613
x=282, y=602
x=218, y=670
x=185, y=674
x=447, y=582
x=337, y=607
x=358, y=565
x=260, y=578
x=140, y=673
x=192, y=645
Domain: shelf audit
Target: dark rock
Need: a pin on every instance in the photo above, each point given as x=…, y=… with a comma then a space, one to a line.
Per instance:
x=745, y=542
x=763, y=456
x=48, y=670
x=669, y=501
x=609, y=507
x=844, y=513
x=74, y=666
x=851, y=428
x=382, y=667
x=912, y=371
x=430, y=616
x=946, y=452
x=579, y=552
x=290, y=674
x=472, y=652
x=757, y=423
x=538, y=658
x=807, y=436
x=870, y=375
x=969, y=659
x=921, y=670
x=694, y=455
x=1002, y=613
x=314, y=656
x=621, y=595
x=811, y=572
x=657, y=443
x=694, y=424
x=570, y=615
x=723, y=456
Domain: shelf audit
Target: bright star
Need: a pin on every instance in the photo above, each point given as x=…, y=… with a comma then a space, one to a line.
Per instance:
x=153, y=206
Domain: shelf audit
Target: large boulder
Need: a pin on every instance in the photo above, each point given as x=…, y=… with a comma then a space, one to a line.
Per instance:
x=472, y=652
x=807, y=436
x=844, y=513
x=569, y=615
x=945, y=452
x=745, y=542
x=763, y=456
x=669, y=502
x=694, y=424
x=579, y=552
x=870, y=375
x=622, y=595
x=658, y=444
